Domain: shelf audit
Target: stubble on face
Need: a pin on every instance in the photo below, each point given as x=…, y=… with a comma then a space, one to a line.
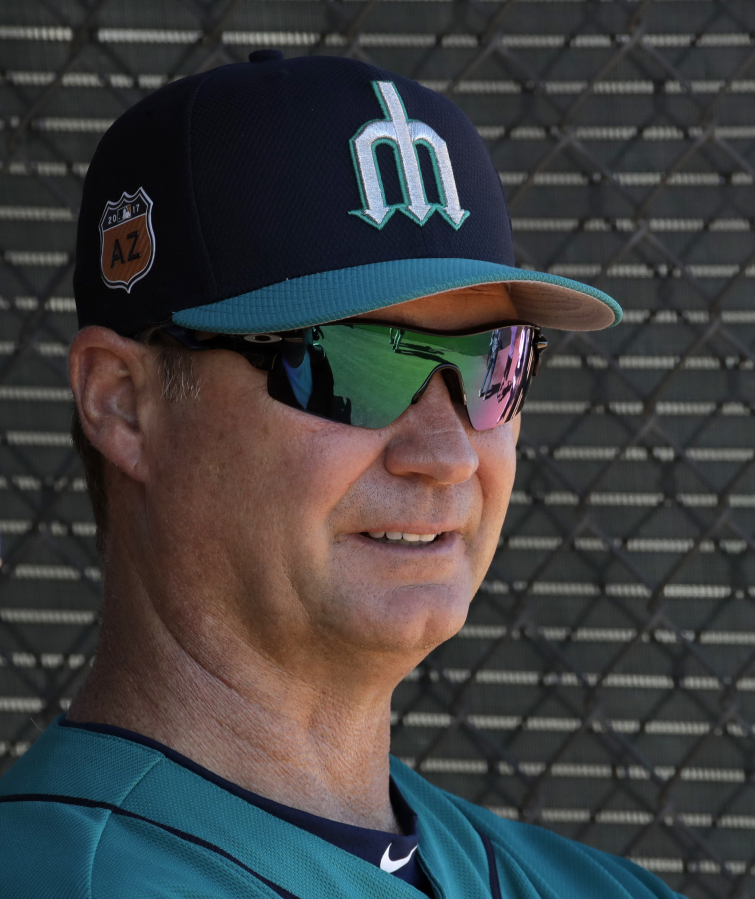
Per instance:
x=281, y=502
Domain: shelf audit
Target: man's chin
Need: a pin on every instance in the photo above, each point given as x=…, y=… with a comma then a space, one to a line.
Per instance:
x=405, y=619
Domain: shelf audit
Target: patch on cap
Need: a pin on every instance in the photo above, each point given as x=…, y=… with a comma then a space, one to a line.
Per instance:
x=127, y=242
x=403, y=134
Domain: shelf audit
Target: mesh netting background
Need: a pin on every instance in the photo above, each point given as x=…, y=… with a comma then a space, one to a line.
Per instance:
x=605, y=683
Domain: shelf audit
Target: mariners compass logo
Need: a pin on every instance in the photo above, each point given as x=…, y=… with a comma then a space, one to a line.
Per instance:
x=127, y=242
x=404, y=135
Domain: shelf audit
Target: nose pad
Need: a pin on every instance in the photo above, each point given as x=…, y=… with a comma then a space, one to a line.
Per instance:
x=452, y=379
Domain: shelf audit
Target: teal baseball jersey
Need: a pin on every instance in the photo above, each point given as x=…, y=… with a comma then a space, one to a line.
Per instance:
x=91, y=815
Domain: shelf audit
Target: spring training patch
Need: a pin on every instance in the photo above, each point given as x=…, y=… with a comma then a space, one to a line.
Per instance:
x=127, y=241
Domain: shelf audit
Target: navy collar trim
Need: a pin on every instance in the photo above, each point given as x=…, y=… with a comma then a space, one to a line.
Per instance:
x=369, y=845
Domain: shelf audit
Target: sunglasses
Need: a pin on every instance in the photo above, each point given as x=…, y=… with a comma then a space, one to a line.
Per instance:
x=367, y=373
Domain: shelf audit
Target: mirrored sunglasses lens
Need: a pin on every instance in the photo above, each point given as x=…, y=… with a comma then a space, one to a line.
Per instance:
x=496, y=383
x=367, y=374
x=345, y=373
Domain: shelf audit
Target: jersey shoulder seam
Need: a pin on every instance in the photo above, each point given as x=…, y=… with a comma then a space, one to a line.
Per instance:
x=107, y=820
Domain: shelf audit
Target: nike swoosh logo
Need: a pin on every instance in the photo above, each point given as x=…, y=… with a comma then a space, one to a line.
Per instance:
x=387, y=863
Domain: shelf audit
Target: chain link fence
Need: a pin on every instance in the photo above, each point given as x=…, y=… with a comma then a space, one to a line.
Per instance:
x=604, y=684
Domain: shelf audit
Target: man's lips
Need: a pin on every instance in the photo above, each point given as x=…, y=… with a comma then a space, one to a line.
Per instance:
x=406, y=538
x=416, y=528
x=439, y=542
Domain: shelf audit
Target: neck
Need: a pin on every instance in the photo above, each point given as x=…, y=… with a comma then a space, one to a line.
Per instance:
x=213, y=698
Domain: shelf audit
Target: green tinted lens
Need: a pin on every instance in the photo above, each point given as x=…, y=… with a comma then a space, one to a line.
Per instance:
x=368, y=374
x=376, y=377
x=346, y=373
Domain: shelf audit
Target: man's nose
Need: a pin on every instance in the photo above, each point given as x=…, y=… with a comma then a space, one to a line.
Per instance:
x=432, y=438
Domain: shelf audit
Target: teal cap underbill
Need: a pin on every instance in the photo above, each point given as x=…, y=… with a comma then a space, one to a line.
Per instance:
x=330, y=296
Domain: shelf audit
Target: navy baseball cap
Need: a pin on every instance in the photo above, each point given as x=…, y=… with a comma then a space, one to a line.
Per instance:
x=282, y=193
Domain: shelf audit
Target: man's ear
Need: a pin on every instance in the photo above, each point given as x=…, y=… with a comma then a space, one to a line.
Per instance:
x=114, y=382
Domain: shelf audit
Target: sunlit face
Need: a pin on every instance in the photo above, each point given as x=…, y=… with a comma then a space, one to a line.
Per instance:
x=266, y=511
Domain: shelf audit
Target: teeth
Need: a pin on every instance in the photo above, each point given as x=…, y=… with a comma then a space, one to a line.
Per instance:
x=403, y=538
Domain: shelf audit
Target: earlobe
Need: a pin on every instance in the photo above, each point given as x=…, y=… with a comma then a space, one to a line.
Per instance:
x=110, y=382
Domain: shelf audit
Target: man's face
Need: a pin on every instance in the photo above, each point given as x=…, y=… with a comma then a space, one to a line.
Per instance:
x=267, y=510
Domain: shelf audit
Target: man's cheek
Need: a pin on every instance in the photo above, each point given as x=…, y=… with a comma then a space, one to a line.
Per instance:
x=320, y=470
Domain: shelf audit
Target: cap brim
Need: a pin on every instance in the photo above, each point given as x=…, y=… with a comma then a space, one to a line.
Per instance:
x=538, y=297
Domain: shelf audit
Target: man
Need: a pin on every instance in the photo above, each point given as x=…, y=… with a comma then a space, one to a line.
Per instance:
x=304, y=348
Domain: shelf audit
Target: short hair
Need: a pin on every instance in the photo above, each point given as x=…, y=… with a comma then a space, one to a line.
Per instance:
x=179, y=382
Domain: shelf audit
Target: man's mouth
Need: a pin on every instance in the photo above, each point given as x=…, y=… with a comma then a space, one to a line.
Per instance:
x=401, y=538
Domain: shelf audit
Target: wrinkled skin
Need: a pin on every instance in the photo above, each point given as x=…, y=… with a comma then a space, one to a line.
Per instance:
x=248, y=621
